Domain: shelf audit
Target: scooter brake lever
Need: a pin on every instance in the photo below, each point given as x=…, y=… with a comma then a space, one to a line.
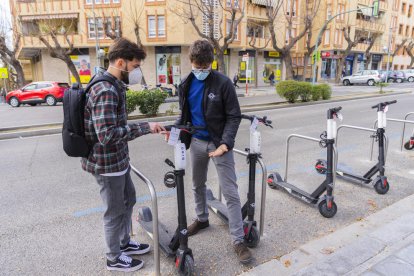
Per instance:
x=169, y=163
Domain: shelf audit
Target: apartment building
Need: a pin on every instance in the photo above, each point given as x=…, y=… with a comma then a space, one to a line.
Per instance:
x=402, y=30
x=167, y=34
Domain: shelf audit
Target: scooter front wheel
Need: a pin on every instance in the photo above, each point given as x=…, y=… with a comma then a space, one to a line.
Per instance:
x=409, y=145
x=325, y=210
x=320, y=167
x=188, y=269
x=252, y=238
x=382, y=187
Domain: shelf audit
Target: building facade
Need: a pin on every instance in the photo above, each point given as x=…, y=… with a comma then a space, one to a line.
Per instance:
x=167, y=34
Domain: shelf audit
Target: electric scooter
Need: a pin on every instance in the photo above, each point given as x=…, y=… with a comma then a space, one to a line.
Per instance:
x=380, y=183
x=177, y=244
x=251, y=233
x=327, y=206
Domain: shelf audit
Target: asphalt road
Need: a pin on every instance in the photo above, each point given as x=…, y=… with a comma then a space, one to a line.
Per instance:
x=42, y=114
x=51, y=219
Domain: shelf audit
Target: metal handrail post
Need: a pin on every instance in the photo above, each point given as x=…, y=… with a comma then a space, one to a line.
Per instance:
x=154, y=218
x=263, y=195
x=287, y=149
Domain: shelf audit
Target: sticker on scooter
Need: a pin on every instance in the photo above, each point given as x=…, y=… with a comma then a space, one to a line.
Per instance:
x=340, y=116
x=184, y=231
x=174, y=136
x=254, y=124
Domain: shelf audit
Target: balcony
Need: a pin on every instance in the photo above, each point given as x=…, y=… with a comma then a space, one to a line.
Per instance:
x=383, y=5
x=374, y=27
x=362, y=47
x=34, y=41
x=46, y=7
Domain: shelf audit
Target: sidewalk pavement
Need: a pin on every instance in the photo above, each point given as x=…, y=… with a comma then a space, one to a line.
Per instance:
x=380, y=244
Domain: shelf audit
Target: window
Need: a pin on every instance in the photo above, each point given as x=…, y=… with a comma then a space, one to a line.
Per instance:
x=236, y=31
x=410, y=10
x=291, y=8
x=88, y=2
x=403, y=8
x=340, y=10
x=30, y=87
x=400, y=29
x=211, y=18
x=293, y=33
x=99, y=28
x=327, y=37
x=116, y=1
x=337, y=38
x=107, y=1
x=117, y=26
x=407, y=31
x=151, y=26
x=161, y=25
x=412, y=32
x=156, y=26
x=328, y=11
x=43, y=85
x=98, y=1
x=256, y=30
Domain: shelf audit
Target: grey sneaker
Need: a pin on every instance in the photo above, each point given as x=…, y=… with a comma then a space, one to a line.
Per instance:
x=244, y=254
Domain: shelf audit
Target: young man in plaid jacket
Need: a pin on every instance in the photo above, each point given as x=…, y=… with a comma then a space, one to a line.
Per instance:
x=107, y=130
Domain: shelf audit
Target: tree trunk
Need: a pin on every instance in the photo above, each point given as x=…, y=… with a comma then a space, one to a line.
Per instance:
x=221, y=65
x=71, y=68
x=287, y=59
x=341, y=64
x=305, y=65
x=368, y=61
x=20, y=80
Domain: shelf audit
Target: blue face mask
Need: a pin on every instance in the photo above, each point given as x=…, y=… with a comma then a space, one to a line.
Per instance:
x=201, y=74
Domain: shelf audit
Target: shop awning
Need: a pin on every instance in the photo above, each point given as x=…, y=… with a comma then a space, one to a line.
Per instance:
x=257, y=19
x=49, y=16
x=365, y=10
x=264, y=2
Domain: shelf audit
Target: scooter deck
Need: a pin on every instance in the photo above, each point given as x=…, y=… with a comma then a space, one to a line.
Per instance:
x=164, y=236
x=219, y=208
x=296, y=192
x=353, y=178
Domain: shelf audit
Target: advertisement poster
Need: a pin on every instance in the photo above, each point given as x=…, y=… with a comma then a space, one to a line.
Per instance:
x=162, y=69
x=83, y=66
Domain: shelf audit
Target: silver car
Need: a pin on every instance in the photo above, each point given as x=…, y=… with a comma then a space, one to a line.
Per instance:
x=409, y=74
x=369, y=77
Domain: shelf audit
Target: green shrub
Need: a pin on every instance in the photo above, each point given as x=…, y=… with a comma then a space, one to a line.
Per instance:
x=304, y=90
x=326, y=91
x=316, y=93
x=131, y=101
x=288, y=90
x=149, y=101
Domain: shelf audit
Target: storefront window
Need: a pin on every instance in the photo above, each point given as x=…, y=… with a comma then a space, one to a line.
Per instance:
x=168, y=66
x=247, y=68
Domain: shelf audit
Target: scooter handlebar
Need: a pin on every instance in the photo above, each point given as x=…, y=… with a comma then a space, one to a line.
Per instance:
x=262, y=120
x=336, y=109
x=189, y=128
x=384, y=104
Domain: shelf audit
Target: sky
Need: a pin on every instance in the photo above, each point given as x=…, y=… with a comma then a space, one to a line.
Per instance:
x=5, y=13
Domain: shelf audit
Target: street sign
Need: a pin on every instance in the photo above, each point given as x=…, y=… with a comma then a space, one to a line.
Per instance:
x=375, y=8
x=249, y=73
x=4, y=74
x=245, y=57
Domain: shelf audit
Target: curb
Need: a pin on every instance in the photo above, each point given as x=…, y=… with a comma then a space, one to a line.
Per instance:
x=54, y=128
x=373, y=235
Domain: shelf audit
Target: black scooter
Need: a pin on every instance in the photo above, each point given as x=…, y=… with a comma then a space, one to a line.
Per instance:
x=251, y=233
x=177, y=244
x=380, y=183
x=327, y=206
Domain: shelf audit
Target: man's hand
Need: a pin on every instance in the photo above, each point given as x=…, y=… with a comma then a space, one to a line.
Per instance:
x=156, y=127
x=219, y=151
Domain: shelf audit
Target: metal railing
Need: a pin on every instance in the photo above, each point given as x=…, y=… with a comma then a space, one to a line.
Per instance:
x=154, y=212
x=263, y=194
x=335, y=152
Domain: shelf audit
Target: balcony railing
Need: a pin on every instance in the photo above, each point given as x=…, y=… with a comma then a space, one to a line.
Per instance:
x=375, y=27
x=47, y=7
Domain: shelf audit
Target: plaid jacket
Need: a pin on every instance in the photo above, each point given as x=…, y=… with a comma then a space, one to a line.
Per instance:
x=107, y=130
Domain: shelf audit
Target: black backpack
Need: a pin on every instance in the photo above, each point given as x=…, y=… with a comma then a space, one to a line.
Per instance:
x=73, y=130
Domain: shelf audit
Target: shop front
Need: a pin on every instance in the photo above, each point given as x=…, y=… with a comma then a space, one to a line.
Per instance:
x=168, y=64
x=247, y=65
x=360, y=62
x=349, y=65
x=271, y=63
x=376, y=60
x=215, y=63
x=329, y=65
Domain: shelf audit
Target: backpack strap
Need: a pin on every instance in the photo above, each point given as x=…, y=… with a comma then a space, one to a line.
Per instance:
x=97, y=79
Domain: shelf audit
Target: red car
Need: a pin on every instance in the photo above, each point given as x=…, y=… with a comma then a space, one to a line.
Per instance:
x=34, y=93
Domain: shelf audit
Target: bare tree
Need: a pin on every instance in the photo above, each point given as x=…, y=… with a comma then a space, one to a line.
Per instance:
x=352, y=42
x=9, y=49
x=371, y=43
x=210, y=11
x=409, y=48
x=136, y=9
x=399, y=46
x=293, y=22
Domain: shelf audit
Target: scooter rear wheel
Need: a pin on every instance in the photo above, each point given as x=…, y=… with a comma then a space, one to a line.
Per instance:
x=325, y=211
x=188, y=266
x=381, y=188
x=252, y=238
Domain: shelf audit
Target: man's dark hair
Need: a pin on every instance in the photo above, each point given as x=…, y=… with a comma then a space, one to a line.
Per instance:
x=125, y=49
x=201, y=52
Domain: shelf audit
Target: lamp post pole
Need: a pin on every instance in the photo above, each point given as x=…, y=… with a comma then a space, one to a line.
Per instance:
x=389, y=53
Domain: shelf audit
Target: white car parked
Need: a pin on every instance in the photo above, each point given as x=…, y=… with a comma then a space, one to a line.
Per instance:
x=409, y=74
x=369, y=77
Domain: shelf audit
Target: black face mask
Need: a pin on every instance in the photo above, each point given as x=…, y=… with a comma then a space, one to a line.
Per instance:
x=125, y=74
